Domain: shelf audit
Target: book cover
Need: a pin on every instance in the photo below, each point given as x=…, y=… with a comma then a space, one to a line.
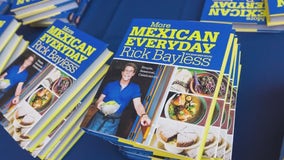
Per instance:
x=274, y=12
x=162, y=57
x=245, y=15
x=54, y=68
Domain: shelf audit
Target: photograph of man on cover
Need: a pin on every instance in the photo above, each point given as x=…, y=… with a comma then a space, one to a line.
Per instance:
x=118, y=92
x=15, y=77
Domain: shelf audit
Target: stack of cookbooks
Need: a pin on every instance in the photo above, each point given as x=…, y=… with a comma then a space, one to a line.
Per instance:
x=165, y=93
x=45, y=12
x=47, y=89
x=245, y=15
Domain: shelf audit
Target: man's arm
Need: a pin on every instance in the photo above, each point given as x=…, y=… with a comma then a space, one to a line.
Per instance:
x=18, y=93
x=140, y=110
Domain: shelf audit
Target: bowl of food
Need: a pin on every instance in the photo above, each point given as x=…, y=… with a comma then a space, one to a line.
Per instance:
x=109, y=107
x=4, y=83
x=41, y=99
x=61, y=84
x=205, y=83
x=176, y=141
x=186, y=108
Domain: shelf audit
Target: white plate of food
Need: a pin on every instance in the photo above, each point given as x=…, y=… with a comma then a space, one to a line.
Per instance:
x=176, y=140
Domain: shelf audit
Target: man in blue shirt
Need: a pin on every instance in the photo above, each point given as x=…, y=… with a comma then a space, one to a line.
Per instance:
x=122, y=91
x=16, y=75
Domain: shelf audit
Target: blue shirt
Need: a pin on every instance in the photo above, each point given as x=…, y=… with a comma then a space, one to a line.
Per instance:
x=113, y=92
x=15, y=77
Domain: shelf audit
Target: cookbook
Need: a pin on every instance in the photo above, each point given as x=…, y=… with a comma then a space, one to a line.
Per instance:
x=44, y=79
x=163, y=86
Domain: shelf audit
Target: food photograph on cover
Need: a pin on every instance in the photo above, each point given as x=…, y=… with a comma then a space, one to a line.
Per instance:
x=41, y=99
x=197, y=82
x=190, y=108
x=58, y=82
x=177, y=137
